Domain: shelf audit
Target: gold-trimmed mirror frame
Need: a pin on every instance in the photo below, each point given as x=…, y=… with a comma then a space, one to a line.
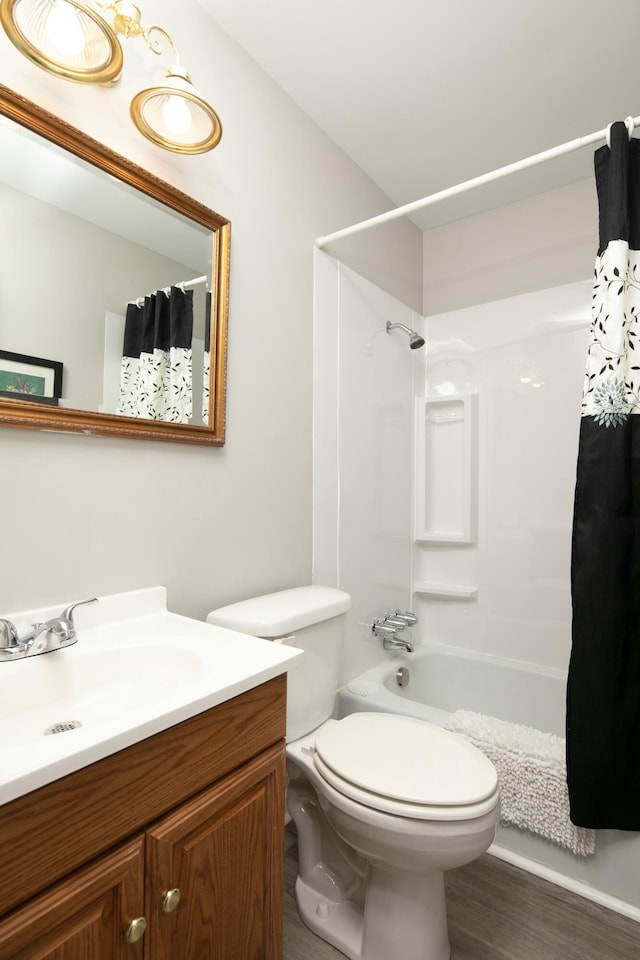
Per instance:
x=33, y=416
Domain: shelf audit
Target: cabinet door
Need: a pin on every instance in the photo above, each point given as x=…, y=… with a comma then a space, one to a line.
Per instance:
x=85, y=917
x=223, y=852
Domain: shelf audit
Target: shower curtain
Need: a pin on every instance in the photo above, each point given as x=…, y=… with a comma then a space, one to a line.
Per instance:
x=155, y=377
x=603, y=692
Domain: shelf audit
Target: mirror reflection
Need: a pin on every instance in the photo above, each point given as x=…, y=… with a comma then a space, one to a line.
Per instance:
x=123, y=291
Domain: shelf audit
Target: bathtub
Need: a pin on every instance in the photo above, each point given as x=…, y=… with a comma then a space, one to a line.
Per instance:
x=443, y=679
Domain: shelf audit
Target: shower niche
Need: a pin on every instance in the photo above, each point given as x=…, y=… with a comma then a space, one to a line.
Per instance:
x=446, y=469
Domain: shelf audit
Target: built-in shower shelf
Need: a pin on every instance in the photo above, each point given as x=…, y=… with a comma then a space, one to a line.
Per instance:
x=446, y=468
x=450, y=591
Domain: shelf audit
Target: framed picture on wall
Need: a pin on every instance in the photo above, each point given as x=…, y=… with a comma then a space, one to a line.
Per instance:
x=30, y=378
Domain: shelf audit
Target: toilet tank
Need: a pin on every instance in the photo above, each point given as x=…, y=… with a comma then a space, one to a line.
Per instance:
x=313, y=619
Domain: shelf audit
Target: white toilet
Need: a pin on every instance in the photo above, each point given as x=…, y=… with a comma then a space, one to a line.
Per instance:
x=383, y=804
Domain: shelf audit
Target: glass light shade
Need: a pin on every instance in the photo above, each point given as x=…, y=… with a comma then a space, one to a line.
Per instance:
x=173, y=115
x=64, y=37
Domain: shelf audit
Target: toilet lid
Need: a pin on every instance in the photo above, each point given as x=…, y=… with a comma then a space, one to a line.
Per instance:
x=406, y=759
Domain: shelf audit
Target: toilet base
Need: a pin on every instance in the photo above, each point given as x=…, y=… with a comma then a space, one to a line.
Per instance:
x=339, y=924
x=404, y=916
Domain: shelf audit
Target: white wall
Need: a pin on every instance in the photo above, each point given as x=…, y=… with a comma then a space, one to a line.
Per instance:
x=81, y=515
x=363, y=398
x=541, y=242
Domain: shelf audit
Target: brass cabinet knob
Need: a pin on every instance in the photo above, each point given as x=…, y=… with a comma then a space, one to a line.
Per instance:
x=136, y=929
x=170, y=900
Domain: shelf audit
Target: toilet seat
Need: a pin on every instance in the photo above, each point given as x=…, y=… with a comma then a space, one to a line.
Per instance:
x=406, y=767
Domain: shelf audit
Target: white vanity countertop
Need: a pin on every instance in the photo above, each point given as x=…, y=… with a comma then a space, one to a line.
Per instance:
x=136, y=669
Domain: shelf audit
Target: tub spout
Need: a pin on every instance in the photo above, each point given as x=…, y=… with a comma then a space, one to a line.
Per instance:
x=396, y=643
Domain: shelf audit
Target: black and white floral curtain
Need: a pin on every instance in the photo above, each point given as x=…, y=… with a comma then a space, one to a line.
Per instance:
x=155, y=378
x=603, y=694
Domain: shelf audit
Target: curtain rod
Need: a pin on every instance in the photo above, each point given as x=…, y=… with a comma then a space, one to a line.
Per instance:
x=167, y=290
x=532, y=161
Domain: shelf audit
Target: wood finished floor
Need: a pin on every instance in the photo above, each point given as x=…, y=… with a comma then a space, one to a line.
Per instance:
x=496, y=912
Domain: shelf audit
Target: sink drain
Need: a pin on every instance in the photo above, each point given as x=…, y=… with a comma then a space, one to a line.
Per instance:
x=62, y=727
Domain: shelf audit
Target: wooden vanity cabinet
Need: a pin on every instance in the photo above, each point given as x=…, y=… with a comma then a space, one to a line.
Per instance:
x=82, y=918
x=221, y=854
x=219, y=845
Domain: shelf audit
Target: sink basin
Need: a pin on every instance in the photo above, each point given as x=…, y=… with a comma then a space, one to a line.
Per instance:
x=135, y=670
x=93, y=687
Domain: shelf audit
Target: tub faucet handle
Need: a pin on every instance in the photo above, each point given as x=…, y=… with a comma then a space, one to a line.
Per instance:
x=383, y=630
x=398, y=622
x=407, y=617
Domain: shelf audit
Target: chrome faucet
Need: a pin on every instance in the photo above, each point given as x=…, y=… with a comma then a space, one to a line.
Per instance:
x=397, y=643
x=42, y=638
x=387, y=627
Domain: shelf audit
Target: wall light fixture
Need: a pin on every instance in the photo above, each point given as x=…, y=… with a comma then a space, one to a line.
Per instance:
x=75, y=40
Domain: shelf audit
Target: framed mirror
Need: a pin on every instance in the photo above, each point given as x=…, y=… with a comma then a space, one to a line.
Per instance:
x=113, y=290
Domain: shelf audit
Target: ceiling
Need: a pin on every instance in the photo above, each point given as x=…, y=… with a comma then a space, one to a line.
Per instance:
x=423, y=95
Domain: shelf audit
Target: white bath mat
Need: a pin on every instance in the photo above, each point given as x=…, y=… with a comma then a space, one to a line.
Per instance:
x=533, y=778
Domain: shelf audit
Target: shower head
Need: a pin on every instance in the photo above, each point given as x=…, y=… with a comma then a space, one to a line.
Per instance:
x=415, y=340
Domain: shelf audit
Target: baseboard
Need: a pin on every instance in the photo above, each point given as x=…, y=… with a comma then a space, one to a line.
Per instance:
x=561, y=880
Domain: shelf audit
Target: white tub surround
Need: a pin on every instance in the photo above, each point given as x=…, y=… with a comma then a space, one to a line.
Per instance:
x=363, y=435
x=503, y=385
x=135, y=670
